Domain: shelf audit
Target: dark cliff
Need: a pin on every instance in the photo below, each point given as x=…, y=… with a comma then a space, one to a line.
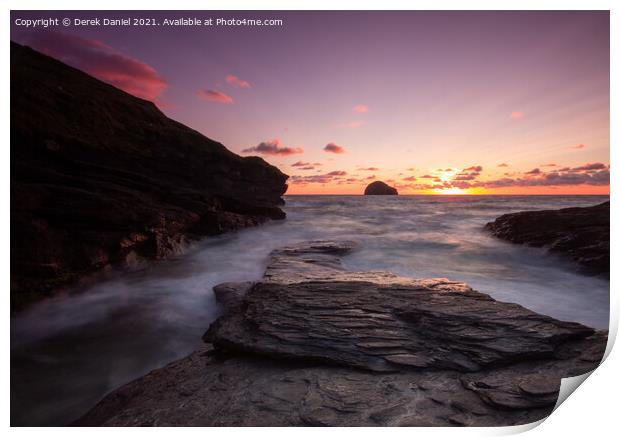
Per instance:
x=99, y=177
x=581, y=234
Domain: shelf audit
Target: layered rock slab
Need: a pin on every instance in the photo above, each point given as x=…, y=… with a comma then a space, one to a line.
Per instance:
x=580, y=234
x=211, y=389
x=299, y=349
x=381, y=323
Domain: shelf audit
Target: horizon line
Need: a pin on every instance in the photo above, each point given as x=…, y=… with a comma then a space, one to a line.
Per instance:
x=451, y=195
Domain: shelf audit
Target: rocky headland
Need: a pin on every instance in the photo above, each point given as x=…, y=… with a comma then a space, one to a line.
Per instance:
x=380, y=188
x=102, y=178
x=580, y=234
x=315, y=344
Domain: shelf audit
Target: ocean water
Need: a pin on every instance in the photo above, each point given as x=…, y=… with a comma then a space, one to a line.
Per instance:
x=69, y=351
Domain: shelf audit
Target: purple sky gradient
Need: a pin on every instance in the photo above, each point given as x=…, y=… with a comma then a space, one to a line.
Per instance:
x=442, y=90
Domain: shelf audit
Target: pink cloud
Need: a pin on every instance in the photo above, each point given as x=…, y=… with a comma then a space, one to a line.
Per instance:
x=215, y=96
x=477, y=168
x=337, y=173
x=369, y=169
x=590, y=166
x=273, y=147
x=101, y=61
x=516, y=114
x=587, y=174
x=304, y=165
x=334, y=148
x=503, y=164
x=351, y=124
x=578, y=147
x=360, y=109
x=235, y=81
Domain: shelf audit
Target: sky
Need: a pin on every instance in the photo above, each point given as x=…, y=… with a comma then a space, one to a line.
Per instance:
x=431, y=102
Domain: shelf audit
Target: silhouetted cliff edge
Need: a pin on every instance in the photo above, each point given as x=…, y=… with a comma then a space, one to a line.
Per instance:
x=99, y=178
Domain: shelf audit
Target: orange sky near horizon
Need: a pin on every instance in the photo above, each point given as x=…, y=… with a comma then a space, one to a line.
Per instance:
x=430, y=102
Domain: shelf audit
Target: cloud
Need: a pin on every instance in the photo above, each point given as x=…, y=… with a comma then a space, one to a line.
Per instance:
x=337, y=173
x=215, y=96
x=477, y=168
x=516, y=114
x=235, y=81
x=334, y=148
x=360, y=108
x=351, y=124
x=587, y=174
x=578, y=146
x=589, y=166
x=410, y=179
x=305, y=165
x=369, y=169
x=312, y=179
x=371, y=177
x=548, y=165
x=273, y=147
x=551, y=179
x=468, y=174
x=503, y=164
x=101, y=61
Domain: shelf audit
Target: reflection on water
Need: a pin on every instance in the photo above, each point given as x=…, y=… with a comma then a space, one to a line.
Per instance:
x=67, y=352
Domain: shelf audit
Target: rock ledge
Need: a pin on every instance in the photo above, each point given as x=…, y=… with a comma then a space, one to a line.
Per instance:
x=313, y=344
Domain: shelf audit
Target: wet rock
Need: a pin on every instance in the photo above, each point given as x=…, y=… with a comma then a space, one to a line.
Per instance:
x=306, y=346
x=101, y=178
x=379, y=188
x=581, y=234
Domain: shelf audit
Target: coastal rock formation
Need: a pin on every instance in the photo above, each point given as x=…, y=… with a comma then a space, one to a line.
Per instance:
x=581, y=234
x=313, y=344
x=99, y=178
x=379, y=188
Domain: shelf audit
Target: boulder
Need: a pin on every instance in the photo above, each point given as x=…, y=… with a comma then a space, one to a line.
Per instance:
x=580, y=234
x=379, y=188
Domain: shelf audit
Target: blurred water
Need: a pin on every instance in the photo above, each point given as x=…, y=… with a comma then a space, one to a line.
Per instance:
x=69, y=351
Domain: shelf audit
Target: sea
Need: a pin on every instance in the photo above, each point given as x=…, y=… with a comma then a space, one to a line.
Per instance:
x=69, y=351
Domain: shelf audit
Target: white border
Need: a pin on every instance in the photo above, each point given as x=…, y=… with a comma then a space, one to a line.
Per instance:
x=591, y=412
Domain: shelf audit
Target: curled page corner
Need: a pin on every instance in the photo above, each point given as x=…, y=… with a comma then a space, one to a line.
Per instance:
x=569, y=385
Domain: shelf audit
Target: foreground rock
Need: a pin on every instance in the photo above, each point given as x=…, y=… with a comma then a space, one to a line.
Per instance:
x=581, y=234
x=313, y=344
x=99, y=177
x=379, y=188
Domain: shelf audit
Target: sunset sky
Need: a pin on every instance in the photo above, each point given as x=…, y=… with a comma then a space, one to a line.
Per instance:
x=430, y=102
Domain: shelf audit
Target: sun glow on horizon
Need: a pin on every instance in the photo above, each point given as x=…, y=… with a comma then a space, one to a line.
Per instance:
x=452, y=190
